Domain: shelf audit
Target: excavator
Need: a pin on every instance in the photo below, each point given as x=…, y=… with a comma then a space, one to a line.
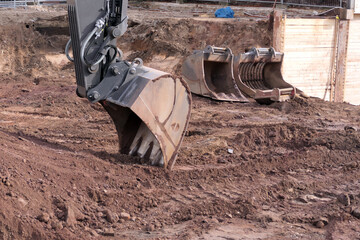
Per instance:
x=150, y=108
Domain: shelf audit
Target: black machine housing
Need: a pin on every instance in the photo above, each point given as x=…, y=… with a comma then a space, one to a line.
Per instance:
x=94, y=27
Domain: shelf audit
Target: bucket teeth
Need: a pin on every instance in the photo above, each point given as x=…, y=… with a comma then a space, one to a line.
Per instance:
x=146, y=139
x=146, y=146
x=134, y=147
x=158, y=160
x=155, y=154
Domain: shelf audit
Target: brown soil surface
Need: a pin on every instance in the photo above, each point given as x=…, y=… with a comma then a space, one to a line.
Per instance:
x=293, y=173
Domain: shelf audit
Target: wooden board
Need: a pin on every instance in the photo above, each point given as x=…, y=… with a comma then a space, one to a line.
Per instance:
x=341, y=54
x=352, y=82
x=357, y=6
x=277, y=30
x=309, y=47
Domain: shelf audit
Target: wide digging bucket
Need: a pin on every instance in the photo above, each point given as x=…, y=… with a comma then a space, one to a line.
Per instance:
x=151, y=113
x=210, y=73
x=258, y=75
x=150, y=109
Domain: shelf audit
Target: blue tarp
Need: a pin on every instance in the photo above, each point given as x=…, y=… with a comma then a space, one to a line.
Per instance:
x=224, y=13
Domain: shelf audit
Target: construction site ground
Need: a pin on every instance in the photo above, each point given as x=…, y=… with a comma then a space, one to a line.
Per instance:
x=245, y=171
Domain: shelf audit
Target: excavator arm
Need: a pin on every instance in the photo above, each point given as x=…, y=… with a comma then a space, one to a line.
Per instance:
x=150, y=108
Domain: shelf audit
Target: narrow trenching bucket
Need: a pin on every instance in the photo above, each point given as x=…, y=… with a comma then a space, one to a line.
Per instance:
x=210, y=73
x=151, y=113
x=258, y=75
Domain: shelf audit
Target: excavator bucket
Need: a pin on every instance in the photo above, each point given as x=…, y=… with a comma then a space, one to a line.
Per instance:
x=258, y=75
x=150, y=108
x=151, y=114
x=210, y=73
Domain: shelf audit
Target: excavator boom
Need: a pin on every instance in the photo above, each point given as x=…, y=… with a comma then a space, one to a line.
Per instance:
x=150, y=108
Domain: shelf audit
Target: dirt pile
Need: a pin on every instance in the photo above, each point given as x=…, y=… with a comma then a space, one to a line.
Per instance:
x=19, y=50
x=28, y=48
x=179, y=38
x=36, y=46
x=295, y=137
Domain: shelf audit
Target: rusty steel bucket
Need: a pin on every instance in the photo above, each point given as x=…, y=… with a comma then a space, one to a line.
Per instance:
x=210, y=73
x=258, y=75
x=151, y=113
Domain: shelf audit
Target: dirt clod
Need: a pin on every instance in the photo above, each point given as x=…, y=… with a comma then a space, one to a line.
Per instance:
x=150, y=228
x=321, y=222
x=91, y=231
x=344, y=199
x=111, y=217
x=108, y=232
x=44, y=217
x=356, y=212
x=56, y=225
x=124, y=215
x=70, y=216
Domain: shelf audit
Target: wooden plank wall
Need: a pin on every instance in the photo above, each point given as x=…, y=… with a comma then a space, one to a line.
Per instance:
x=352, y=80
x=357, y=6
x=309, y=47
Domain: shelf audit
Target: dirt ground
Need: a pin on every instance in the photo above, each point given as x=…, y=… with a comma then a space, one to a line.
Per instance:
x=293, y=173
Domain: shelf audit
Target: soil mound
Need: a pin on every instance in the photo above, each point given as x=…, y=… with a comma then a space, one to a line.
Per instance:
x=179, y=38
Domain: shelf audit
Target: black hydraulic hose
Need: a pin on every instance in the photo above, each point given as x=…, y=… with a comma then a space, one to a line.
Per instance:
x=99, y=56
x=67, y=49
x=108, y=60
x=85, y=42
